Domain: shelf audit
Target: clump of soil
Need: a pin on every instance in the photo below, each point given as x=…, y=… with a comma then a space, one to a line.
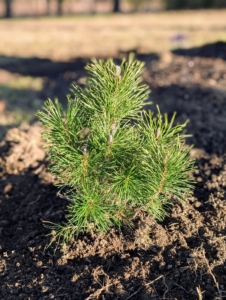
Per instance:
x=183, y=257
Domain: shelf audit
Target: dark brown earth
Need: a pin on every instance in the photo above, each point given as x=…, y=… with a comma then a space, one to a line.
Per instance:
x=183, y=257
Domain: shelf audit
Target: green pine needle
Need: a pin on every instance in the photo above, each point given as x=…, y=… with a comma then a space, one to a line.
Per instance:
x=112, y=157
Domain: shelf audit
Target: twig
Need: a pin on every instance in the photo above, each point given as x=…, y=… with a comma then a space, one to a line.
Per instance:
x=147, y=284
x=181, y=287
x=167, y=288
x=198, y=290
x=104, y=287
x=213, y=276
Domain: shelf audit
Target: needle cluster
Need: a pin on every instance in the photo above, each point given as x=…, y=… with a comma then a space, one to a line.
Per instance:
x=113, y=158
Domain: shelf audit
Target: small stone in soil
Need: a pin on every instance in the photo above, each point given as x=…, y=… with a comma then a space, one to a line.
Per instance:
x=197, y=204
x=199, y=179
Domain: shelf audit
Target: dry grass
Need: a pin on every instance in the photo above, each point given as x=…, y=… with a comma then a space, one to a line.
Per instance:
x=103, y=35
x=62, y=39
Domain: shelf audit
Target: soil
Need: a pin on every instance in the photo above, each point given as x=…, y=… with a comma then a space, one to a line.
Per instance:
x=183, y=257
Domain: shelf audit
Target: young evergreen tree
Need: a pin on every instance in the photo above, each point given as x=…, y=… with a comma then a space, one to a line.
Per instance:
x=114, y=158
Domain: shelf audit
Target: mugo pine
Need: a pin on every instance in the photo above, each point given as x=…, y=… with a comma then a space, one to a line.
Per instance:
x=113, y=158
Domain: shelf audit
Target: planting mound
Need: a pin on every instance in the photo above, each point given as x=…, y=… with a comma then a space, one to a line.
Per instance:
x=183, y=257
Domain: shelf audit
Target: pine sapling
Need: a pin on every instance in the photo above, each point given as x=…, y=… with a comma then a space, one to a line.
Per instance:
x=113, y=158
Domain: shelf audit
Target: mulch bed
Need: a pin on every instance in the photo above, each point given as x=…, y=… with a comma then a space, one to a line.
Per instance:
x=183, y=257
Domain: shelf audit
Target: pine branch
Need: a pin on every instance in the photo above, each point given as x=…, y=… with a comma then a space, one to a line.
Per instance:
x=163, y=178
x=113, y=158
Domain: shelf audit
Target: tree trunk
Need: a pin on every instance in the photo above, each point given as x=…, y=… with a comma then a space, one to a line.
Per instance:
x=8, y=12
x=59, y=7
x=116, y=8
x=47, y=7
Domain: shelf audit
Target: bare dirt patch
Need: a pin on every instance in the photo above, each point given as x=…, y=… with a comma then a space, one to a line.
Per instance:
x=183, y=257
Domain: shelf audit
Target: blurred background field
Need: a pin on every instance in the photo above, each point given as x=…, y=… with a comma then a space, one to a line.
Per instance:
x=14, y=8
x=40, y=53
x=66, y=37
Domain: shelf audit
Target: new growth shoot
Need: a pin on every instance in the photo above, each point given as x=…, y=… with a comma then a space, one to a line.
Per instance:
x=113, y=158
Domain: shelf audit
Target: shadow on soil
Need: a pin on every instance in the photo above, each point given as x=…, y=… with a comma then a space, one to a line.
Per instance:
x=38, y=67
x=204, y=106
x=29, y=270
x=55, y=79
x=172, y=265
x=110, y=266
x=214, y=50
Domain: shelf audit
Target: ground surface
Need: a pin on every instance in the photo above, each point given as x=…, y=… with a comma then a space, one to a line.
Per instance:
x=65, y=38
x=182, y=258
x=37, y=54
